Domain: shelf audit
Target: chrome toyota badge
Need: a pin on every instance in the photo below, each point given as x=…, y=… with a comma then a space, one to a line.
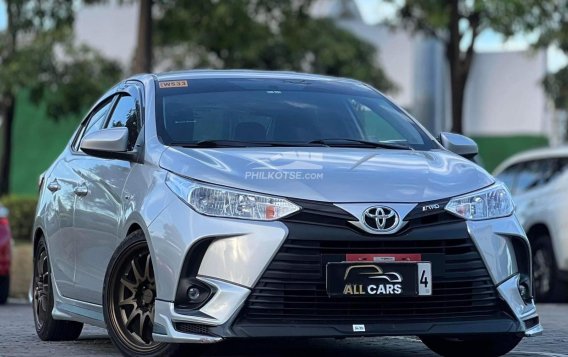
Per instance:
x=380, y=219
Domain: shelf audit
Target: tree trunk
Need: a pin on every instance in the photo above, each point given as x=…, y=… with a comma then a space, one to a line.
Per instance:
x=143, y=57
x=456, y=67
x=458, y=94
x=7, y=106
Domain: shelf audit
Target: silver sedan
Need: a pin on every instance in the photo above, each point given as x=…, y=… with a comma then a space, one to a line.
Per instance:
x=198, y=206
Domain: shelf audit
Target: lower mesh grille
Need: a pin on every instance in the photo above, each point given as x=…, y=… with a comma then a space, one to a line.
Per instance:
x=192, y=328
x=292, y=289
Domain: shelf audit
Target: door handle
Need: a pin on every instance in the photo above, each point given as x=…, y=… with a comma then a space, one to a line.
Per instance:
x=54, y=186
x=81, y=190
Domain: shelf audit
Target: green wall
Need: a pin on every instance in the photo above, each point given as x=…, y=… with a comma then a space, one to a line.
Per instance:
x=495, y=149
x=37, y=142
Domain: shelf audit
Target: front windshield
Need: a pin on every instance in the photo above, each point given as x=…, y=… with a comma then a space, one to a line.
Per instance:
x=258, y=111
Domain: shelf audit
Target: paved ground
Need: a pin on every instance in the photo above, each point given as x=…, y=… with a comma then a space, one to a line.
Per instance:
x=18, y=338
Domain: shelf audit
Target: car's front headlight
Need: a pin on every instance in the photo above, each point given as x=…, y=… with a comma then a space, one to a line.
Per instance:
x=492, y=202
x=219, y=201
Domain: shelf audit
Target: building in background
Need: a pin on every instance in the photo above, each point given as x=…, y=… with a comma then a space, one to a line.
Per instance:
x=504, y=95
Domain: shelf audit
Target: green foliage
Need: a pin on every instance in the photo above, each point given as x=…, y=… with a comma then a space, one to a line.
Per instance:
x=22, y=212
x=506, y=17
x=261, y=34
x=495, y=149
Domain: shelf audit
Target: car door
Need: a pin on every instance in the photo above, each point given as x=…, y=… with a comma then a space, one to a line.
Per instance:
x=60, y=184
x=99, y=201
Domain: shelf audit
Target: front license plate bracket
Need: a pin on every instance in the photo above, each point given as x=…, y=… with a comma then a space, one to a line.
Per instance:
x=378, y=279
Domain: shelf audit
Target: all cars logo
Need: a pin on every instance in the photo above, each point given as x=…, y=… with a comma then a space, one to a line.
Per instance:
x=379, y=282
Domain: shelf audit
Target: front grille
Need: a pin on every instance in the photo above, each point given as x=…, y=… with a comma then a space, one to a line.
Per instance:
x=292, y=289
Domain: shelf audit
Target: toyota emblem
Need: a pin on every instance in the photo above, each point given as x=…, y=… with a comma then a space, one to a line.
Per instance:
x=380, y=219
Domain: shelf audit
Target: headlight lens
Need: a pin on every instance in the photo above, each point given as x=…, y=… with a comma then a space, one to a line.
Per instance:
x=224, y=202
x=492, y=202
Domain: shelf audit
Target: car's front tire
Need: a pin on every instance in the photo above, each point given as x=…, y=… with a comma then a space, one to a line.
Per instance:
x=482, y=345
x=128, y=300
x=47, y=328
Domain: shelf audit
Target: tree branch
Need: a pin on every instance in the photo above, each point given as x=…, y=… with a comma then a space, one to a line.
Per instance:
x=474, y=24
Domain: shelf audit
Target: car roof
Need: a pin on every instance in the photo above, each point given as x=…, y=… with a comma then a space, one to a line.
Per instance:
x=244, y=74
x=534, y=154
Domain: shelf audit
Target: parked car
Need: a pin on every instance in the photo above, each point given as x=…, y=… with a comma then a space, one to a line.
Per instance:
x=195, y=206
x=5, y=255
x=538, y=181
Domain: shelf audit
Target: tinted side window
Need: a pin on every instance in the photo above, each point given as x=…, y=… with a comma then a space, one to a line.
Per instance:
x=557, y=167
x=530, y=175
x=509, y=175
x=95, y=123
x=126, y=114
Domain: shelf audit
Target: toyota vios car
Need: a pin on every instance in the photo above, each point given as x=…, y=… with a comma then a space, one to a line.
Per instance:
x=199, y=206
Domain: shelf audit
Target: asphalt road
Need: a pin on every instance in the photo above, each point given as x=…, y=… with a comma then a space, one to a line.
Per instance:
x=18, y=338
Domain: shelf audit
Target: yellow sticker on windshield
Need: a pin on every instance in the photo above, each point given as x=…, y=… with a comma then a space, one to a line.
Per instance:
x=173, y=84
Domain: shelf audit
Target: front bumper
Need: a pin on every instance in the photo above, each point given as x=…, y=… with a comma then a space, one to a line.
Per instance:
x=243, y=258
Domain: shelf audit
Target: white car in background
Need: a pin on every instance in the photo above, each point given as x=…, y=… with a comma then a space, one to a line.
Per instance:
x=538, y=180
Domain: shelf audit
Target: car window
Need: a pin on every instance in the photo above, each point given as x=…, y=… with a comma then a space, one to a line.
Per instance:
x=374, y=126
x=509, y=175
x=530, y=175
x=281, y=111
x=94, y=123
x=557, y=166
x=126, y=115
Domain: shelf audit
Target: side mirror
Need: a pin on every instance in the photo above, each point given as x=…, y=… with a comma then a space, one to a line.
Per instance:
x=107, y=143
x=459, y=144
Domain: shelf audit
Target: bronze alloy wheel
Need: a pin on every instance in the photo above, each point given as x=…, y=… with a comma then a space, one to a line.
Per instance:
x=129, y=293
x=132, y=303
x=41, y=286
x=47, y=328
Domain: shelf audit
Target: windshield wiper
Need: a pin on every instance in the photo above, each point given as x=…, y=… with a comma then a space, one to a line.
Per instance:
x=242, y=144
x=362, y=143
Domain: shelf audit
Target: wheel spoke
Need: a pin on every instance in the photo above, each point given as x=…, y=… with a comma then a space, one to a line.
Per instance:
x=129, y=301
x=130, y=285
x=136, y=272
x=147, y=268
x=135, y=312
x=40, y=264
x=141, y=322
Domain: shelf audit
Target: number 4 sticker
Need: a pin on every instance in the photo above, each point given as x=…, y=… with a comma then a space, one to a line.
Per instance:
x=424, y=279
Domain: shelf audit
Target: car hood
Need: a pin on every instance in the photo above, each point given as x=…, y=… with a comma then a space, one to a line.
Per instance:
x=332, y=174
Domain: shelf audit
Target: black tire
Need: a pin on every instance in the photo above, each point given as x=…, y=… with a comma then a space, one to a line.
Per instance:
x=547, y=285
x=132, y=337
x=482, y=345
x=4, y=289
x=47, y=328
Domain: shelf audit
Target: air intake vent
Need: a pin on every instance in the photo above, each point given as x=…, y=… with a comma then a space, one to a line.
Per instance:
x=192, y=328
